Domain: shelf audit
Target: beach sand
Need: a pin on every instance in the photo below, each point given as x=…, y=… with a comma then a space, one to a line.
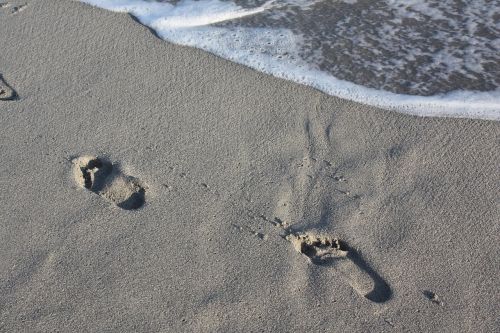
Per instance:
x=149, y=187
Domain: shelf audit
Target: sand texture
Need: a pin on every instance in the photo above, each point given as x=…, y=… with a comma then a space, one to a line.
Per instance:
x=148, y=187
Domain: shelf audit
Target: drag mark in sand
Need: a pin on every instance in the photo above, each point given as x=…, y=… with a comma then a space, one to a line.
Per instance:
x=107, y=180
x=322, y=251
x=310, y=196
x=6, y=91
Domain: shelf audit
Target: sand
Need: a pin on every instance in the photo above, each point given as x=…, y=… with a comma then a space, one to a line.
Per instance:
x=148, y=187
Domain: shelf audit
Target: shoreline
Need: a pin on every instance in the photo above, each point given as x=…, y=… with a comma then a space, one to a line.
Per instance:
x=264, y=205
x=178, y=29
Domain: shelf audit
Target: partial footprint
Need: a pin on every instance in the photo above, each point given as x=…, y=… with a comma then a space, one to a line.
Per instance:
x=327, y=251
x=102, y=177
x=12, y=8
x=6, y=92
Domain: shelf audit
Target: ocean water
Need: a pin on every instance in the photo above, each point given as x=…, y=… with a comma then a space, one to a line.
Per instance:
x=424, y=57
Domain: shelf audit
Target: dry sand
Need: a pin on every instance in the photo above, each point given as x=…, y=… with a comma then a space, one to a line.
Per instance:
x=234, y=174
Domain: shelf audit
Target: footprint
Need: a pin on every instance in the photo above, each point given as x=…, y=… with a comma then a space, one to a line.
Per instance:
x=326, y=251
x=102, y=177
x=6, y=92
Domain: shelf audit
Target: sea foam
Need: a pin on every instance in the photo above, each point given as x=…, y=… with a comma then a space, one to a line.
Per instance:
x=240, y=34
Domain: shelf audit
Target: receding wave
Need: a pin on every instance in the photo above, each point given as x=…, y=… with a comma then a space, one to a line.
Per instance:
x=423, y=57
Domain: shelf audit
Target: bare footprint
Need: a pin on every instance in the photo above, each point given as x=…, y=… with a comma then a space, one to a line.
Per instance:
x=6, y=92
x=102, y=177
x=326, y=251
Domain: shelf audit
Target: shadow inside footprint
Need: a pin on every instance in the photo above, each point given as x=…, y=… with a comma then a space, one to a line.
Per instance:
x=7, y=93
x=135, y=201
x=325, y=251
x=381, y=291
x=107, y=180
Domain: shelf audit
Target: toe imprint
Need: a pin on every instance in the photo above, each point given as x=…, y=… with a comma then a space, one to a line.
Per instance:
x=318, y=248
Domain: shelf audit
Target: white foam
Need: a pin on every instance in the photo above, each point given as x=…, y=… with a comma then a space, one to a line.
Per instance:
x=277, y=52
